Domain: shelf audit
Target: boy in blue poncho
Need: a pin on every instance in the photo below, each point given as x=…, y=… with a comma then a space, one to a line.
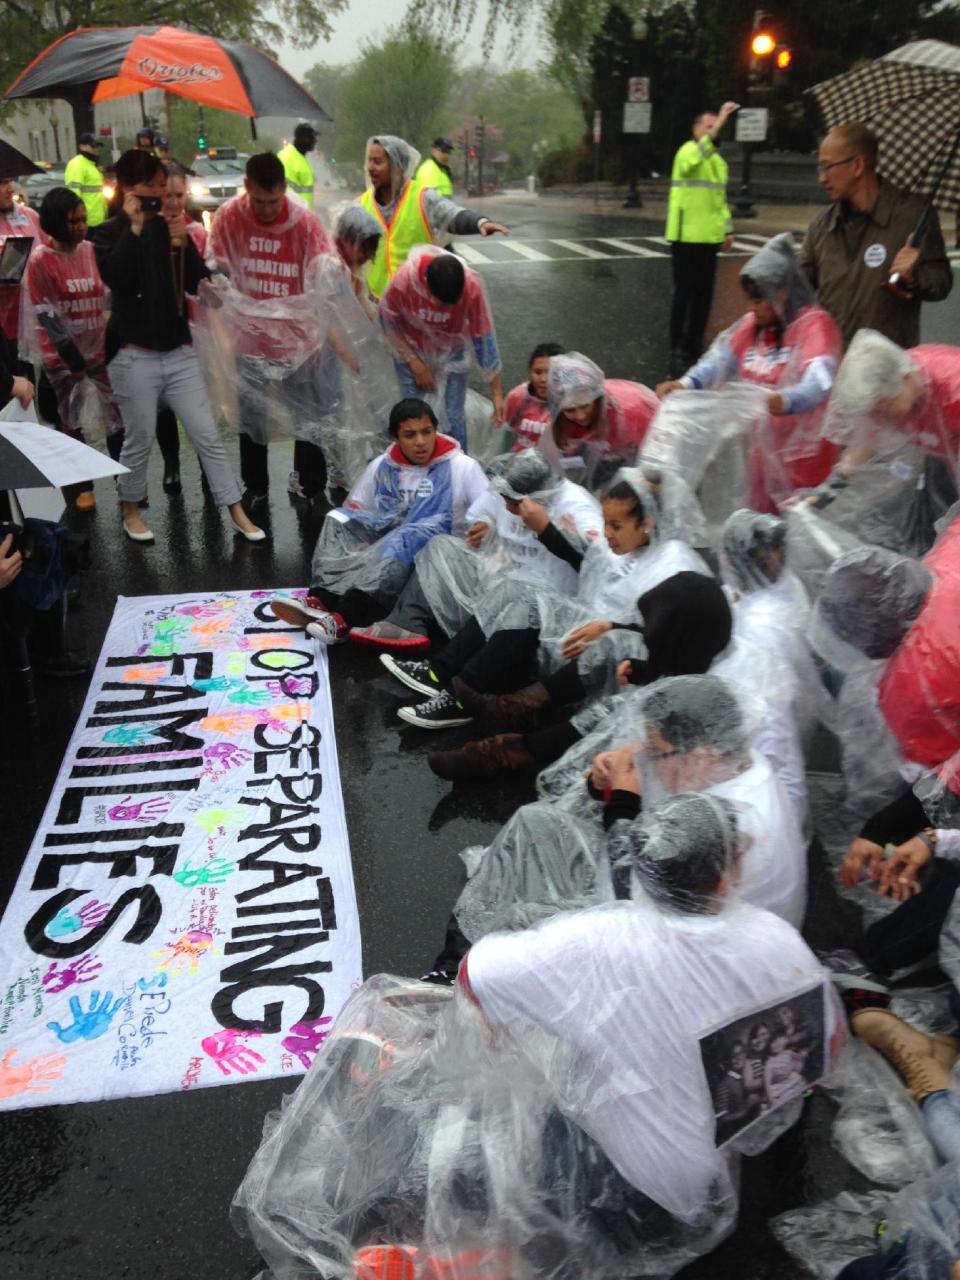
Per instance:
x=421, y=486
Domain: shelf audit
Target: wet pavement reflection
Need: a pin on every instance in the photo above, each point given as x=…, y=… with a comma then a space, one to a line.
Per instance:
x=141, y=1188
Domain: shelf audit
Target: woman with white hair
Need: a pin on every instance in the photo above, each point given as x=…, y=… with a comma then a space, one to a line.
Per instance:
x=897, y=415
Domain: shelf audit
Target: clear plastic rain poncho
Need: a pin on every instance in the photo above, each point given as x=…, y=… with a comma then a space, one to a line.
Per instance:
x=395, y=509
x=769, y=650
x=363, y=383
x=404, y=161
x=897, y=415
x=554, y=854
x=455, y=577
x=889, y=623
x=541, y=1129
x=796, y=356
x=703, y=437
x=266, y=337
x=609, y=585
x=449, y=338
x=64, y=308
x=623, y=412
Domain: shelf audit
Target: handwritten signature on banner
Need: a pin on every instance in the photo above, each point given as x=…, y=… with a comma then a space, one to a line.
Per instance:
x=146, y=1002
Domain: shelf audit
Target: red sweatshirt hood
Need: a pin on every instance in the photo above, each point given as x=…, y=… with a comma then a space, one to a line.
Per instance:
x=445, y=445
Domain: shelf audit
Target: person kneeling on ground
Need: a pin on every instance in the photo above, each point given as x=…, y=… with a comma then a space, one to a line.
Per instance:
x=420, y=487
x=525, y=409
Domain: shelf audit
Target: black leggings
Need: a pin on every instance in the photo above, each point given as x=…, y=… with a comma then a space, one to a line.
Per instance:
x=911, y=932
x=500, y=663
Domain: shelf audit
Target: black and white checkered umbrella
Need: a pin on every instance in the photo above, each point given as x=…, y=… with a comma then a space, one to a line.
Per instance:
x=910, y=98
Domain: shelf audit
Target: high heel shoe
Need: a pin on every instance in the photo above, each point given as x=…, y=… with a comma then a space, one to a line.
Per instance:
x=251, y=535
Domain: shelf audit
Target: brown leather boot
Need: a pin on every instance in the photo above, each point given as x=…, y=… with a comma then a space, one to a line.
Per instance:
x=923, y=1062
x=503, y=712
x=483, y=759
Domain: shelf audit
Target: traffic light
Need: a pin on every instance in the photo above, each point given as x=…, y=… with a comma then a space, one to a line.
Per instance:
x=784, y=58
x=478, y=134
x=762, y=44
x=201, y=142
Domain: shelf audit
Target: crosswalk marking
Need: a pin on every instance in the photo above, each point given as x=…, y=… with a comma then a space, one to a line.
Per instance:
x=580, y=248
x=526, y=251
x=640, y=250
x=471, y=255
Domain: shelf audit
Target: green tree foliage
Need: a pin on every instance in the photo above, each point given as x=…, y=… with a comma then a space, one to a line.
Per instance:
x=400, y=86
x=531, y=112
x=696, y=51
x=221, y=128
x=28, y=26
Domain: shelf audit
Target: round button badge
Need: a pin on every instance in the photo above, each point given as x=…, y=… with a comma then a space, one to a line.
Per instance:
x=875, y=255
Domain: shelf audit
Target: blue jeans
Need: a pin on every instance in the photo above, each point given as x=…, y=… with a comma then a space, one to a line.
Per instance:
x=454, y=399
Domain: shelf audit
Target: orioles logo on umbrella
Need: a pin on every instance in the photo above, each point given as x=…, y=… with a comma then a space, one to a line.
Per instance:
x=174, y=73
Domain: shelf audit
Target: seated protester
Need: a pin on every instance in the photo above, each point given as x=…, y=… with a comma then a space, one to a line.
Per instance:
x=687, y=733
x=436, y=317
x=897, y=415
x=419, y=488
x=501, y=541
x=893, y=621
x=686, y=893
x=788, y=343
x=769, y=652
x=532, y=1124
x=63, y=328
x=597, y=424
x=918, y=866
x=516, y=629
x=686, y=624
x=525, y=409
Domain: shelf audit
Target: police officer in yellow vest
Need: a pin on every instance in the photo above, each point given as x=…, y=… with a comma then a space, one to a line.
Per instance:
x=296, y=166
x=409, y=213
x=435, y=170
x=698, y=223
x=84, y=178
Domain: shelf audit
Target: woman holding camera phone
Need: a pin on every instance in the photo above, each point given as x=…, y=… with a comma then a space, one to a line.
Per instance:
x=151, y=264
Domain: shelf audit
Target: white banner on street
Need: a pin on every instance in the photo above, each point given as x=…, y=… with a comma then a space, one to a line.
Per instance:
x=186, y=914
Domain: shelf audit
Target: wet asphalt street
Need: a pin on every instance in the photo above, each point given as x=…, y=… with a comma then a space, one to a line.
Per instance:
x=140, y=1189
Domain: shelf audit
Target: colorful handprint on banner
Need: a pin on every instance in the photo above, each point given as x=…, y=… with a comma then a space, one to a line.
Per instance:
x=33, y=1076
x=305, y=1038
x=228, y=1051
x=91, y=1023
x=83, y=969
x=186, y=952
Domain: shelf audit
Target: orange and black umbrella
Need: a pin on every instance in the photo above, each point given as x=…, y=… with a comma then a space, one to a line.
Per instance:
x=97, y=64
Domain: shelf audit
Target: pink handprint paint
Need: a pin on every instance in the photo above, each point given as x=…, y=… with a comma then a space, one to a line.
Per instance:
x=305, y=1038
x=83, y=969
x=144, y=810
x=228, y=1051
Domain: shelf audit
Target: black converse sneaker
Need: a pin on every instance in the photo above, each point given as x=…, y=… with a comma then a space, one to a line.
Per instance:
x=416, y=675
x=441, y=712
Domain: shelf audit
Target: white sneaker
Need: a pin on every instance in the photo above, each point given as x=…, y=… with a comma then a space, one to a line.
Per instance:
x=329, y=628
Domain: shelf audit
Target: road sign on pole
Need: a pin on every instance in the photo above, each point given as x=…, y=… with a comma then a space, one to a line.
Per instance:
x=597, y=127
x=752, y=124
x=638, y=89
x=637, y=117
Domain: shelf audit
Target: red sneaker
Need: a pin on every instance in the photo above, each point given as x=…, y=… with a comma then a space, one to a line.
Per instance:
x=384, y=635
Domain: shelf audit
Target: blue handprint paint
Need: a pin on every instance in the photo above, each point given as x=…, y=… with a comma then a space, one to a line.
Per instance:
x=92, y=1023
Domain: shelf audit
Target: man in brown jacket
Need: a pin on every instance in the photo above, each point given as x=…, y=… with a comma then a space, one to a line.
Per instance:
x=853, y=247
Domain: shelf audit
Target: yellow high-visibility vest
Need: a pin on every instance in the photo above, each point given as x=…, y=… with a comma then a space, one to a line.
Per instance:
x=408, y=227
x=84, y=178
x=698, y=212
x=299, y=172
x=431, y=174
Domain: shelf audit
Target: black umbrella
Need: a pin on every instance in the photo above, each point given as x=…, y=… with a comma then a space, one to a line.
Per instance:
x=97, y=64
x=13, y=163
